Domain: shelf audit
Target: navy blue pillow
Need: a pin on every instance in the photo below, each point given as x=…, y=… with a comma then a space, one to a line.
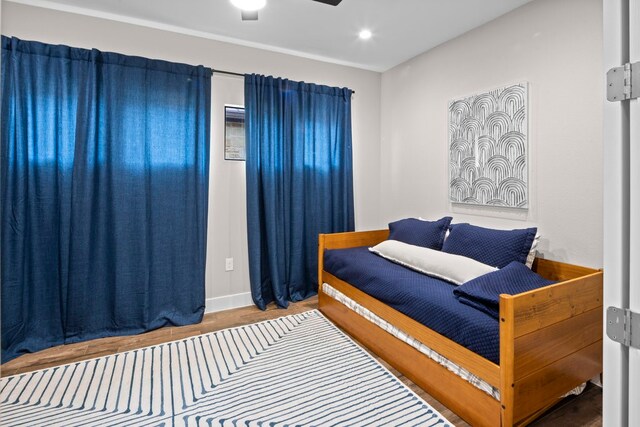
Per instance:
x=483, y=293
x=496, y=248
x=428, y=234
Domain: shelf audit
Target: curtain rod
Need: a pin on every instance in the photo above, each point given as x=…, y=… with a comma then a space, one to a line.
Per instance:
x=231, y=73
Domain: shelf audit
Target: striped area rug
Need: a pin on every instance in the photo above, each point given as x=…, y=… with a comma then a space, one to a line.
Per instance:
x=297, y=370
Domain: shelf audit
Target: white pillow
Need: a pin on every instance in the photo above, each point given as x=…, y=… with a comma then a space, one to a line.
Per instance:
x=533, y=251
x=452, y=268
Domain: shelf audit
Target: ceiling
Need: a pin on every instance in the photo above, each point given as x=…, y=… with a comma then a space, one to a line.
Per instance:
x=401, y=29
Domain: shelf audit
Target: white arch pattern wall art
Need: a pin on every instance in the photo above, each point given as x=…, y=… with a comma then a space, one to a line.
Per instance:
x=488, y=148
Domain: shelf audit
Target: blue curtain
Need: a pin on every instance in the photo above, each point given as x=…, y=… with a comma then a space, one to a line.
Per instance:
x=299, y=182
x=104, y=191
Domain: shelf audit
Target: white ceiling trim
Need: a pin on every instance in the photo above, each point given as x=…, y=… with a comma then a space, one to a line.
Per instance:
x=186, y=31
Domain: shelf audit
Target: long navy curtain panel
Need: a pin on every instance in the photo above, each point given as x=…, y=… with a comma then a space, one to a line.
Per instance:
x=299, y=182
x=104, y=191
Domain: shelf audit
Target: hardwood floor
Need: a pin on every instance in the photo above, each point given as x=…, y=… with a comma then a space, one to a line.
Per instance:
x=584, y=410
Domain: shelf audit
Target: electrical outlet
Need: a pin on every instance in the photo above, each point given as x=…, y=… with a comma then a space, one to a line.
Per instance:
x=228, y=264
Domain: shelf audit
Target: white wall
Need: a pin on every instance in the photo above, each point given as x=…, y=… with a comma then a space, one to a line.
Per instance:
x=227, y=233
x=555, y=45
x=227, y=215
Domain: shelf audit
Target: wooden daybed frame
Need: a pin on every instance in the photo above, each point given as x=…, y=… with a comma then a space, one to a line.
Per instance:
x=550, y=341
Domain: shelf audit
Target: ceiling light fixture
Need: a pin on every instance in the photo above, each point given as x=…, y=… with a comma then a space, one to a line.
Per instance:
x=249, y=5
x=365, y=34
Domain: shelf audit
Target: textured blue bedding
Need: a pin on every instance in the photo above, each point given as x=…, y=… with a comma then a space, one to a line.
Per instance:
x=483, y=293
x=425, y=299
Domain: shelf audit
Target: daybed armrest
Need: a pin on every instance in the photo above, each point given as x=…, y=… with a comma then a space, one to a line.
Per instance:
x=560, y=271
x=346, y=240
x=550, y=340
x=352, y=239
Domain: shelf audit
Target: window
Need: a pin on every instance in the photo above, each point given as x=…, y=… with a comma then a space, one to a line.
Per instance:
x=234, y=148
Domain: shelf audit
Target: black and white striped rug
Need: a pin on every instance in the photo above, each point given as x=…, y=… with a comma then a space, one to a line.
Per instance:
x=297, y=370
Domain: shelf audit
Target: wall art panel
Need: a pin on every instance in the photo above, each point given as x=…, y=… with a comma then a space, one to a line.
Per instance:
x=488, y=148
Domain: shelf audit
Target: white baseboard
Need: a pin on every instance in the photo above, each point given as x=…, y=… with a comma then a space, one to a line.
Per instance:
x=228, y=302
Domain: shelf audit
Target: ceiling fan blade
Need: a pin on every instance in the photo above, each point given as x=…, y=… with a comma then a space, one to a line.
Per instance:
x=249, y=15
x=331, y=2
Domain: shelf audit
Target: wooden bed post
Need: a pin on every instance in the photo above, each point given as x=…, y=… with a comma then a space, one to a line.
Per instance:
x=506, y=359
x=320, y=260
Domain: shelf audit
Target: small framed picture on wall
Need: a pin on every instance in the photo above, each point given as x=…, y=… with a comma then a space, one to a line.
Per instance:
x=234, y=146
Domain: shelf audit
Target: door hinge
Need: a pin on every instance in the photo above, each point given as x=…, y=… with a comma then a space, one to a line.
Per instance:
x=623, y=82
x=623, y=326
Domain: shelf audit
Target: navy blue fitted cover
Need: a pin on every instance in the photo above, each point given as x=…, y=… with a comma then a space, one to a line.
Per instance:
x=425, y=299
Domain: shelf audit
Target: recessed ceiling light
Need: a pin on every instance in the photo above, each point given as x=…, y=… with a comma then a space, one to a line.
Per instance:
x=365, y=34
x=249, y=5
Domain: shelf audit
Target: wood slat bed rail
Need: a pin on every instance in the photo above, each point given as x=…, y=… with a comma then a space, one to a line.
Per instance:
x=542, y=307
x=543, y=387
x=547, y=345
x=353, y=239
x=560, y=271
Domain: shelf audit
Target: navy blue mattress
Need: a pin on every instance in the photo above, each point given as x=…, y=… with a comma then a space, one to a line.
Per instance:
x=425, y=299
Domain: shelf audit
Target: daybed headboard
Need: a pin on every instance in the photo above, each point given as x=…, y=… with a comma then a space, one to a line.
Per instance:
x=347, y=240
